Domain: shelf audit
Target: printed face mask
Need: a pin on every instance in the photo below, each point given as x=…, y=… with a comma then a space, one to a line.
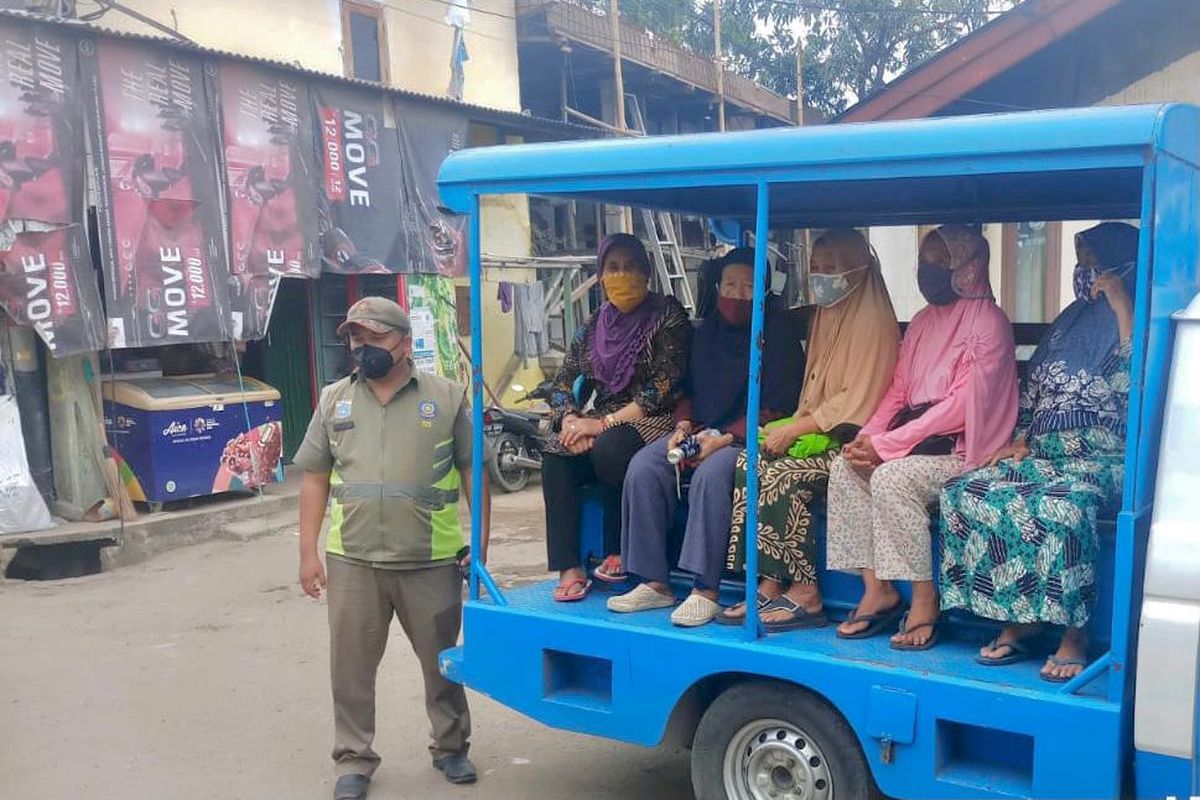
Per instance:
x=1084, y=278
x=828, y=290
x=735, y=311
x=373, y=362
x=936, y=284
x=625, y=290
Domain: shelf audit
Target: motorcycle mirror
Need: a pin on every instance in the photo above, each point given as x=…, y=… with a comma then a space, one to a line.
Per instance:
x=517, y=388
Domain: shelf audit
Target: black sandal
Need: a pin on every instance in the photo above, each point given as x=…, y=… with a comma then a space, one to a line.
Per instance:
x=933, y=626
x=877, y=622
x=760, y=600
x=800, y=617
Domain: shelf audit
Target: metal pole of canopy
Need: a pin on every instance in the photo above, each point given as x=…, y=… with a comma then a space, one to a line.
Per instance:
x=478, y=572
x=474, y=248
x=761, y=229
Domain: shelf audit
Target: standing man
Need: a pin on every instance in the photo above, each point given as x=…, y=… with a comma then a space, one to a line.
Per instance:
x=390, y=445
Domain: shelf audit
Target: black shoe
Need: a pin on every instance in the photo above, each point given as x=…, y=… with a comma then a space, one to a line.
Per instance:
x=458, y=768
x=351, y=787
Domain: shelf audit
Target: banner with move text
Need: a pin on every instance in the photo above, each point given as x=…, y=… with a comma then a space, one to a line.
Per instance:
x=271, y=180
x=159, y=216
x=46, y=275
x=361, y=189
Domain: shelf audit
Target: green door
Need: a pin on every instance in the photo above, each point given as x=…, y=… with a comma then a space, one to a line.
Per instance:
x=285, y=360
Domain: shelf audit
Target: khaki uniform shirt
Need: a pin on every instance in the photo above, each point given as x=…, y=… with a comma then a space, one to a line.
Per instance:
x=394, y=469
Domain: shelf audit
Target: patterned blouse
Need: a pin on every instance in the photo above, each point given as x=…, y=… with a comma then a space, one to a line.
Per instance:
x=1055, y=399
x=657, y=382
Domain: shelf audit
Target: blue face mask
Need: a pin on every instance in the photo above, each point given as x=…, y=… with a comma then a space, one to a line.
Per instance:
x=829, y=290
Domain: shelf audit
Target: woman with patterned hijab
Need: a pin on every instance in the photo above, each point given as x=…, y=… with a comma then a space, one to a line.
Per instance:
x=1019, y=541
x=952, y=401
x=629, y=360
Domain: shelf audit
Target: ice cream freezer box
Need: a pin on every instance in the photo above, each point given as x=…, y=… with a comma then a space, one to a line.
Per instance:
x=177, y=438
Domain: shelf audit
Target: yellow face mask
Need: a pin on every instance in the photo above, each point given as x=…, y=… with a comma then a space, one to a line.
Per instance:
x=625, y=290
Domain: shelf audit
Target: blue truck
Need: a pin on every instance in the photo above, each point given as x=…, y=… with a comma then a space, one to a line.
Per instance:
x=812, y=716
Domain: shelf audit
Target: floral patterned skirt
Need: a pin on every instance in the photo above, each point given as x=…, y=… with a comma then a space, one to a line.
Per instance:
x=787, y=487
x=1019, y=539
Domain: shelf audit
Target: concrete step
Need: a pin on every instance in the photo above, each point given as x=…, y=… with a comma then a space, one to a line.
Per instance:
x=247, y=530
x=151, y=534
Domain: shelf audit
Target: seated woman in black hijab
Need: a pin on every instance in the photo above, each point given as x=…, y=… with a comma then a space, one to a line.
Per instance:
x=715, y=411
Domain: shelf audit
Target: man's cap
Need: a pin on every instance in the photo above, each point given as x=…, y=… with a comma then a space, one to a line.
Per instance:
x=376, y=314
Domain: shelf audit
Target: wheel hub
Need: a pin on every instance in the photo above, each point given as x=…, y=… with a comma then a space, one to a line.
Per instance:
x=775, y=760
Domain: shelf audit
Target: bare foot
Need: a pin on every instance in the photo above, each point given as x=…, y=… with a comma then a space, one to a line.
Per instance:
x=805, y=595
x=918, y=626
x=767, y=587
x=1072, y=648
x=1010, y=635
x=879, y=596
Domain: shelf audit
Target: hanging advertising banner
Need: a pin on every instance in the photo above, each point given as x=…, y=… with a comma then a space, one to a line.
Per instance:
x=155, y=155
x=271, y=181
x=47, y=282
x=46, y=275
x=434, y=241
x=361, y=186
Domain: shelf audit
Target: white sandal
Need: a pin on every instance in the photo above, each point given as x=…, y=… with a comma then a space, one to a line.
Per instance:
x=697, y=610
x=642, y=598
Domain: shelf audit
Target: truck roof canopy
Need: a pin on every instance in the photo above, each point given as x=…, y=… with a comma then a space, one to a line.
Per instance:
x=988, y=167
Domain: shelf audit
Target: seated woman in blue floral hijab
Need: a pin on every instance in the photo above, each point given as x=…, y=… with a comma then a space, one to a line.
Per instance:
x=1019, y=542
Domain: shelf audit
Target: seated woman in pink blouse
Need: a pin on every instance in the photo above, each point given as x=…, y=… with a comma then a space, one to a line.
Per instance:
x=952, y=402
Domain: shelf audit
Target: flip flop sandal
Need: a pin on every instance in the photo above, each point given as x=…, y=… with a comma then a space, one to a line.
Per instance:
x=930, y=642
x=877, y=623
x=760, y=600
x=1063, y=662
x=1016, y=652
x=610, y=570
x=800, y=618
x=562, y=592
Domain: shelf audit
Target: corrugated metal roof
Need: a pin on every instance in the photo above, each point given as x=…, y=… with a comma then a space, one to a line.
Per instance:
x=491, y=114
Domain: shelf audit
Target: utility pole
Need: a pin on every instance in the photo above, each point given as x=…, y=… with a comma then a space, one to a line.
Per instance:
x=614, y=14
x=800, y=77
x=720, y=59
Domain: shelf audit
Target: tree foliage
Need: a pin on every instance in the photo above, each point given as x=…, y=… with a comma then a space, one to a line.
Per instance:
x=851, y=47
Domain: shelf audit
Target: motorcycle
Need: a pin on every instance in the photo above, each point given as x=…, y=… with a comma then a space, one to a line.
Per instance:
x=516, y=438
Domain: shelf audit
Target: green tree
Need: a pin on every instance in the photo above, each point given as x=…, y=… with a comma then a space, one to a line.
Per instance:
x=851, y=47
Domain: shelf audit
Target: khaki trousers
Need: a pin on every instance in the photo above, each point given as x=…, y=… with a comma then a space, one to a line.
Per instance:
x=362, y=601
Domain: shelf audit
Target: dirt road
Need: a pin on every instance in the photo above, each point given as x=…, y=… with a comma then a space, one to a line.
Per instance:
x=203, y=673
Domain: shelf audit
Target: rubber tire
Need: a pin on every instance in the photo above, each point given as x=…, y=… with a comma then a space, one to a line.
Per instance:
x=509, y=483
x=760, y=699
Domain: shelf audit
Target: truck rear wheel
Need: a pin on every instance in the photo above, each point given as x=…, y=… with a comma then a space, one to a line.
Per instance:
x=771, y=741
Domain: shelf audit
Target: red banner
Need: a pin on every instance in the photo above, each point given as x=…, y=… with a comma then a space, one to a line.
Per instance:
x=46, y=277
x=271, y=188
x=40, y=286
x=159, y=207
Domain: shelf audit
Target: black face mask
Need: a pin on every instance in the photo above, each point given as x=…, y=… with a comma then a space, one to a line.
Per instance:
x=936, y=284
x=373, y=362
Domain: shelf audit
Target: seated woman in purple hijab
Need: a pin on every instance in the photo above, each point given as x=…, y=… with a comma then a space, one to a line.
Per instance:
x=632, y=356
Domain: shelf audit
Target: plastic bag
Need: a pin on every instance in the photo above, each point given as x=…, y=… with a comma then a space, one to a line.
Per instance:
x=21, y=505
x=810, y=444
